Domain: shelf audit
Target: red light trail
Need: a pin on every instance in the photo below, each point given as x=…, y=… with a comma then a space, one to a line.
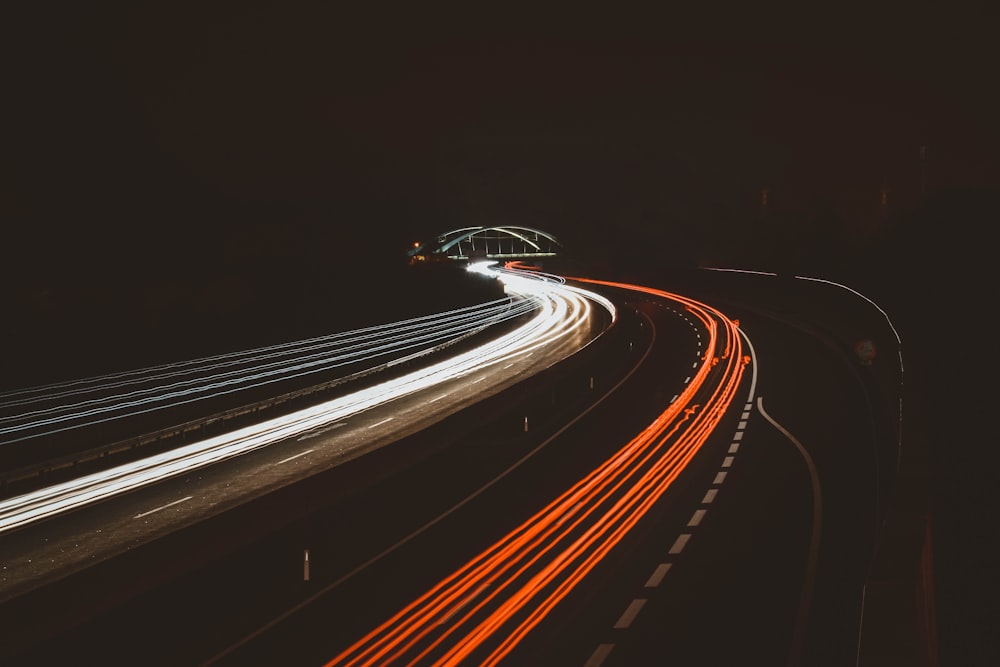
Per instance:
x=496, y=599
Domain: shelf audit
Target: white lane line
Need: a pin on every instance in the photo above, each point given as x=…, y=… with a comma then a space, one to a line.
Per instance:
x=292, y=458
x=599, y=655
x=633, y=610
x=687, y=379
x=658, y=574
x=727, y=462
x=389, y=419
x=738, y=435
x=742, y=425
x=478, y=381
x=745, y=415
x=694, y=365
x=162, y=507
x=434, y=400
x=454, y=508
x=809, y=582
x=696, y=518
x=679, y=544
x=733, y=448
x=709, y=496
x=321, y=431
x=674, y=398
x=507, y=366
x=720, y=478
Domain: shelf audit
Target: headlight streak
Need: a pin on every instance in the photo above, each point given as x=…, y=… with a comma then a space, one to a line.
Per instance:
x=559, y=313
x=86, y=413
x=294, y=347
x=520, y=579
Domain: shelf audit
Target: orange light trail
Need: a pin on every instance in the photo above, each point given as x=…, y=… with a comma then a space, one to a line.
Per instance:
x=495, y=600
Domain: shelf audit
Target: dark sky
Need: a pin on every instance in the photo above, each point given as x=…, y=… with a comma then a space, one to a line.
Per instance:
x=150, y=129
x=144, y=141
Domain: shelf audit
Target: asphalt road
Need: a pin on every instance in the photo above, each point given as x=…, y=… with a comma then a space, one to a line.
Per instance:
x=738, y=568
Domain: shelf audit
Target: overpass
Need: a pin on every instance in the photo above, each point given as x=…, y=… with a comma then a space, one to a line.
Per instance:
x=505, y=242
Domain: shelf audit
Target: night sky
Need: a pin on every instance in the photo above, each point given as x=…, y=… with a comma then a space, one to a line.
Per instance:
x=140, y=135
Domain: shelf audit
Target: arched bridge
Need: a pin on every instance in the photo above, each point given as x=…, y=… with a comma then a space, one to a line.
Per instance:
x=504, y=242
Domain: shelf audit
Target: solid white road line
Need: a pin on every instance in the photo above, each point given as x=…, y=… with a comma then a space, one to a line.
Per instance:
x=809, y=579
x=162, y=507
x=292, y=458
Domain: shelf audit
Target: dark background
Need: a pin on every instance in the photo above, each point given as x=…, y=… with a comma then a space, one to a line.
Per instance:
x=142, y=135
x=179, y=178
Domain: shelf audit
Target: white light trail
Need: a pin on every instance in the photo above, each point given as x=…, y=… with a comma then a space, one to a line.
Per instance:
x=203, y=380
x=561, y=310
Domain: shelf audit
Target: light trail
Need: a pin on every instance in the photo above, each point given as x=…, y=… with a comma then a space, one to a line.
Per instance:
x=81, y=403
x=559, y=311
x=489, y=605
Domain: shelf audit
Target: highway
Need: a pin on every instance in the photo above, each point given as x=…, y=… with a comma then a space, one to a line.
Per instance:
x=104, y=407
x=21, y=510
x=669, y=498
x=550, y=322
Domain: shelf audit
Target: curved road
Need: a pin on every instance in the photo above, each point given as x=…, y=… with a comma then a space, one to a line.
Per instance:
x=699, y=492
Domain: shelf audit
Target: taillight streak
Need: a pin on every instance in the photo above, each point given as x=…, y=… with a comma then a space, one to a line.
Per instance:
x=528, y=572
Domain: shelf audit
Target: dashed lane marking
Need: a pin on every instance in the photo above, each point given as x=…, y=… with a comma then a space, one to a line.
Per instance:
x=599, y=655
x=658, y=574
x=633, y=610
x=679, y=543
